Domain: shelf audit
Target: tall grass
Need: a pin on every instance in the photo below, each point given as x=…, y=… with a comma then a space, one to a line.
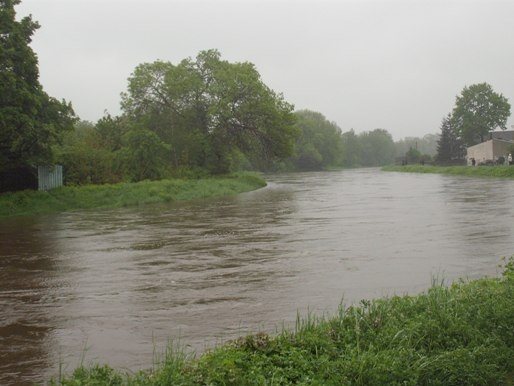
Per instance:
x=478, y=171
x=457, y=335
x=125, y=194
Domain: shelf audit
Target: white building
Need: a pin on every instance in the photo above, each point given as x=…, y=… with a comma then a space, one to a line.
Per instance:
x=498, y=145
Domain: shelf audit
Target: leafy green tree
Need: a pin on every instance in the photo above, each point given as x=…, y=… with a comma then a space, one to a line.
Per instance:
x=479, y=110
x=207, y=108
x=145, y=155
x=111, y=130
x=351, y=149
x=449, y=147
x=376, y=148
x=319, y=144
x=31, y=122
x=413, y=155
x=87, y=158
x=111, y=151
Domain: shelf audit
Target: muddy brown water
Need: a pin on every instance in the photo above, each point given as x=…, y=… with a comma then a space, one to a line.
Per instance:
x=116, y=286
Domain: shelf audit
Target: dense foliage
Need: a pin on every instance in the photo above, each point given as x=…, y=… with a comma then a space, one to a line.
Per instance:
x=31, y=121
x=319, y=144
x=449, y=146
x=322, y=145
x=458, y=335
x=199, y=117
x=376, y=148
x=479, y=110
x=90, y=157
x=210, y=112
x=122, y=148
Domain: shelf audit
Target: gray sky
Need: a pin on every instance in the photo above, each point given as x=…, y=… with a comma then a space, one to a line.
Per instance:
x=364, y=64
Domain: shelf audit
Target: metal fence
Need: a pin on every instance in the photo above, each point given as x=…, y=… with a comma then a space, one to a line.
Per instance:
x=49, y=177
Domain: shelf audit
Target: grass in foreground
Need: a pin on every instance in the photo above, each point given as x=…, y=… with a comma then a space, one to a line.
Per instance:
x=477, y=171
x=125, y=194
x=457, y=335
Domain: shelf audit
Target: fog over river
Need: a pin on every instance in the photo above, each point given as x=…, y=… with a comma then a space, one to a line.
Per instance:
x=113, y=286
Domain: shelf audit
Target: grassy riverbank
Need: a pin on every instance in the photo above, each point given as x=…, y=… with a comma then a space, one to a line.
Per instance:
x=457, y=335
x=478, y=171
x=125, y=194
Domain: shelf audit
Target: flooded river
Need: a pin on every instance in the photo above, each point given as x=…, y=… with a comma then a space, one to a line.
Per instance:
x=116, y=285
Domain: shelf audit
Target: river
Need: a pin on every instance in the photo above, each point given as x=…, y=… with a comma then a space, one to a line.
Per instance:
x=117, y=286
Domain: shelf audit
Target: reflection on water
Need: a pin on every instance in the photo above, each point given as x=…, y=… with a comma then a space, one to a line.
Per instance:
x=113, y=286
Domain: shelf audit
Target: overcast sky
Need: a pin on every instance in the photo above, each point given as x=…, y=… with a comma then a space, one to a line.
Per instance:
x=364, y=64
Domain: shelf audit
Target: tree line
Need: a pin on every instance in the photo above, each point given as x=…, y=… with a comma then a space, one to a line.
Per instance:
x=209, y=116
x=111, y=151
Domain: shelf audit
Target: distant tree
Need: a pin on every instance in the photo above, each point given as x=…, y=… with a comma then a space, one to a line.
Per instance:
x=31, y=122
x=319, y=144
x=207, y=109
x=413, y=155
x=351, y=149
x=426, y=145
x=425, y=158
x=376, y=148
x=479, y=110
x=449, y=146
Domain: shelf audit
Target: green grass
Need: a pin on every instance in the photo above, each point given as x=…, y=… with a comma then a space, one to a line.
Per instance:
x=457, y=335
x=125, y=194
x=477, y=171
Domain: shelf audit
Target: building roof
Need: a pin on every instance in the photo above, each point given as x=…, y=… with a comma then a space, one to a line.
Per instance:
x=488, y=141
x=506, y=135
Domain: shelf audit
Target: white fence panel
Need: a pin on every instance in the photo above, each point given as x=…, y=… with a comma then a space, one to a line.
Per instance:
x=49, y=177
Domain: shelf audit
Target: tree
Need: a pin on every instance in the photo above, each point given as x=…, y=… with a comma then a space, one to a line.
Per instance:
x=413, y=156
x=319, y=144
x=88, y=156
x=427, y=145
x=145, y=155
x=377, y=148
x=449, y=146
x=111, y=131
x=479, y=110
x=208, y=108
x=31, y=122
x=351, y=149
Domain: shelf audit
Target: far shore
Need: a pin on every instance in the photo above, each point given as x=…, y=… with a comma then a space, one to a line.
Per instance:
x=474, y=171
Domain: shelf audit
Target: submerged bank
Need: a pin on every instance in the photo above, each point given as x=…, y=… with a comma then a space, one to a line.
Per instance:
x=461, y=334
x=476, y=171
x=125, y=194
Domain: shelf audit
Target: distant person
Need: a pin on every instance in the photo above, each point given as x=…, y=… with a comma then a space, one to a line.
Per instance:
x=509, y=158
x=473, y=162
